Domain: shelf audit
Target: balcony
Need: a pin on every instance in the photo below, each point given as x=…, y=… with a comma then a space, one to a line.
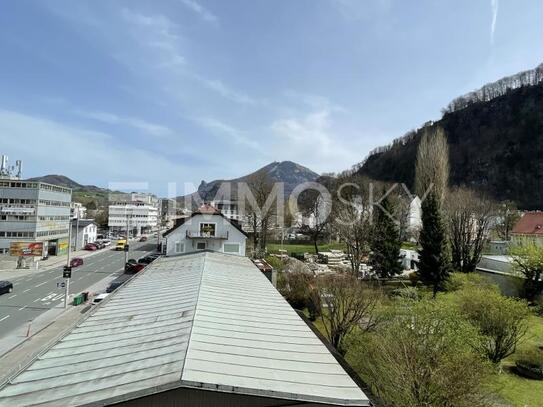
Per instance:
x=206, y=235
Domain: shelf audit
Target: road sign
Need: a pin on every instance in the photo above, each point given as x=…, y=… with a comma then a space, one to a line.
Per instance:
x=61, y=284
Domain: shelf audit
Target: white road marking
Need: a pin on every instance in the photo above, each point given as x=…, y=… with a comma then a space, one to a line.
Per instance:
x=27, y=290
x=6, y=317
x=40, y=284
x=22, y=308
x=14, y=295
x=36, y=300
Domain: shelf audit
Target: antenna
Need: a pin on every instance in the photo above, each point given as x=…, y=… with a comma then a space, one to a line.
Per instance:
x=19, y=166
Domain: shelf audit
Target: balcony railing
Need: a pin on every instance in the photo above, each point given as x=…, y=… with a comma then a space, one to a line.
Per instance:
x=206, y=235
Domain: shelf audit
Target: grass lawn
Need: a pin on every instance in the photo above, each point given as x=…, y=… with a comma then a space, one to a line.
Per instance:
x=303, y=248
x=516, y=390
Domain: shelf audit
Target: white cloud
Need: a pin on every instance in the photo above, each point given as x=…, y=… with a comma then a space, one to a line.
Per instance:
x=225, y=91
x=88, y=156
x=494, y=5
x=196, y=7
x=235, y=135
x=109, y=118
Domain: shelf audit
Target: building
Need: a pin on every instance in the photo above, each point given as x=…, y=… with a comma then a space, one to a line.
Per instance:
x=203, y=329
x=206, y=229
x=138, y=217
x=228, y=208
x=83, y=231
x=33, y=212
x=529, y=228
x=170, y=213
x=78, y=211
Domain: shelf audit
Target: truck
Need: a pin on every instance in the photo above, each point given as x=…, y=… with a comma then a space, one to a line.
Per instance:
x=121, y=244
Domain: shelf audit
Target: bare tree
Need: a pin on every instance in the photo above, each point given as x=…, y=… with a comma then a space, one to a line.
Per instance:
x=312, y=205
x=348, y=303
x=432, y=168
x=469, y=216
x=508, y=216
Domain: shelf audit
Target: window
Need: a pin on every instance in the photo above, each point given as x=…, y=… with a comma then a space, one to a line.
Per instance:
x=207, y=229
x=179, y=247
x=231, y=248
x=201, y=245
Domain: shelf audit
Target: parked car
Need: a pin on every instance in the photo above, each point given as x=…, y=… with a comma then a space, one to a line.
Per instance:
x=6, y=287
x=119, y=281
x=106, y=242
x=147, y=259
x=76, y=262
x=99, y=298
x=129, y=264
x=143, y=239
x=91, y=247
x=133, y=268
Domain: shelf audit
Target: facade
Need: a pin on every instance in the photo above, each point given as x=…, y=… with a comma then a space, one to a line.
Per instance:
x=78, y=211
x=228, y=208
x=529, y=228
x=138, y=217
x=203, y=329
x=83, y=231
x=206, y=229
x=34, y=211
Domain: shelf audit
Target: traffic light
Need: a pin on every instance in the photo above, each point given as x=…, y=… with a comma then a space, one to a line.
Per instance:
x=67, y=272
x=126, y=248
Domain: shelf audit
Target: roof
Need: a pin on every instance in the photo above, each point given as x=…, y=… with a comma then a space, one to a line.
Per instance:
x=205, y=209
x=202, y=320
x=530, y=224
x=83, y=223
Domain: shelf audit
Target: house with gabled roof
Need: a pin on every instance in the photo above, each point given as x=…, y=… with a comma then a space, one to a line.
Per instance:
x=529, y=228
x=206, y=229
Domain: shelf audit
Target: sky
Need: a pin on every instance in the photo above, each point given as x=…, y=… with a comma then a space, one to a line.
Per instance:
x=179, y=91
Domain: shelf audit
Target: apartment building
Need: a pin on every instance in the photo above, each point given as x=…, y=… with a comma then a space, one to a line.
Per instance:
x=138, y=217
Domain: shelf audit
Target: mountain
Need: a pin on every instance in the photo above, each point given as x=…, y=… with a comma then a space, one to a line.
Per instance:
x=89, y=195
x=288, y=172
x=495, y=138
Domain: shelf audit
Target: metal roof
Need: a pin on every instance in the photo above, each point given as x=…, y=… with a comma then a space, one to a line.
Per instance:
x=205, y=320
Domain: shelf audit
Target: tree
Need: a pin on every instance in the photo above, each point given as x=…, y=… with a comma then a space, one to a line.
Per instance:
x=312, y=205
x=432, y=166
x=421, y=355
x=469, y=216
x=501, y=321
x=528, y=262
x=347, y=303
x=434, y=264
x=352, y=222
x=508, y=217
x=432, y=174
x=385, y=242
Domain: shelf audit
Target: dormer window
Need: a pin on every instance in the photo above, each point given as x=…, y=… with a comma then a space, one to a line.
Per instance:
x=208, y=229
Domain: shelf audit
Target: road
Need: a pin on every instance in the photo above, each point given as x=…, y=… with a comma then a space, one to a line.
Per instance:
x=35, y=294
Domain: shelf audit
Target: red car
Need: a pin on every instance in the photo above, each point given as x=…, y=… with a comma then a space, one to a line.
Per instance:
x=76, y=261
x=91, y=247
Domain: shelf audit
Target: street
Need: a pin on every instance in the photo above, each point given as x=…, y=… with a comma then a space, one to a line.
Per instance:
x=35, y=294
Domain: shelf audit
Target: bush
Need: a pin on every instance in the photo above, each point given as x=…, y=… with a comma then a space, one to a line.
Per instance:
x=459, y=281
x=422, y=356
x=407, y=293
x=530, y=364
x=501, y=320
x=276, y=263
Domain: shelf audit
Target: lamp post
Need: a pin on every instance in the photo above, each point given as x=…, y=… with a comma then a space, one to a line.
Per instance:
x=127, y=247
x=68, y=269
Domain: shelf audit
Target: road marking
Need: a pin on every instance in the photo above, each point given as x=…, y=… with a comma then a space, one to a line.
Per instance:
x=40, y=284
x=36, y=300
x=6, y=317
x=27, y=290
x=22, y=308
x=14, y=295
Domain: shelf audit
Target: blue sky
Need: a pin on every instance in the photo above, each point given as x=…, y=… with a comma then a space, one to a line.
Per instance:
x=184, y=90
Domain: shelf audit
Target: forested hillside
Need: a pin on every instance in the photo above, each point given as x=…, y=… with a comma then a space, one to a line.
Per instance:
x=496, y=146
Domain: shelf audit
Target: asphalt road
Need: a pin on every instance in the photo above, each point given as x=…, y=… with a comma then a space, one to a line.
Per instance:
x=35, y=294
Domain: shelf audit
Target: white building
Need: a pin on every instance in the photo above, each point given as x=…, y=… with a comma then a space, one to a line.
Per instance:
x=228, y=208
x=206, y=229
x=138, y=217
x=78, y=211
x=414, y=218
x=83, y=231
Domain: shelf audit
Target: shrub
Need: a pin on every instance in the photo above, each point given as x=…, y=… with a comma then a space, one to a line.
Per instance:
x=422, y=356
x=501, y=320
x=458, y=281
x=407, y=293
x=276, y=263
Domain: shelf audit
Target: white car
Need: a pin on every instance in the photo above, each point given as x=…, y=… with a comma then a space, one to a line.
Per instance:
x=99, y=298
x=106, y=242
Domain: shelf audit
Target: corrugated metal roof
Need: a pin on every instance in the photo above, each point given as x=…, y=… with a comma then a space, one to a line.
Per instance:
x=206, y=320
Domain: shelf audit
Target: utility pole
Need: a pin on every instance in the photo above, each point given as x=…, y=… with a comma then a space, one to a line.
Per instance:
x=68, y=269
x=127, y=246
x=76, y=229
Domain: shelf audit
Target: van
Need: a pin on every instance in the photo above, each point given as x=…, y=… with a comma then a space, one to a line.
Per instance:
x=121, y=244
x=119, y=281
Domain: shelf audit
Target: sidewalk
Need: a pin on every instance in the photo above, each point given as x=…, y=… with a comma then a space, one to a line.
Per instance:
x=9, y=272
x=16, y=349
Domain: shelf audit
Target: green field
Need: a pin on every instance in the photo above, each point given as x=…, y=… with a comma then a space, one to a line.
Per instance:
x=303, y=248
x=514, y=389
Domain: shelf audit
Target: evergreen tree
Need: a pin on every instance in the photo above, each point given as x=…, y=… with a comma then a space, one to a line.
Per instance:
x=434, y=263
x=385, y=242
